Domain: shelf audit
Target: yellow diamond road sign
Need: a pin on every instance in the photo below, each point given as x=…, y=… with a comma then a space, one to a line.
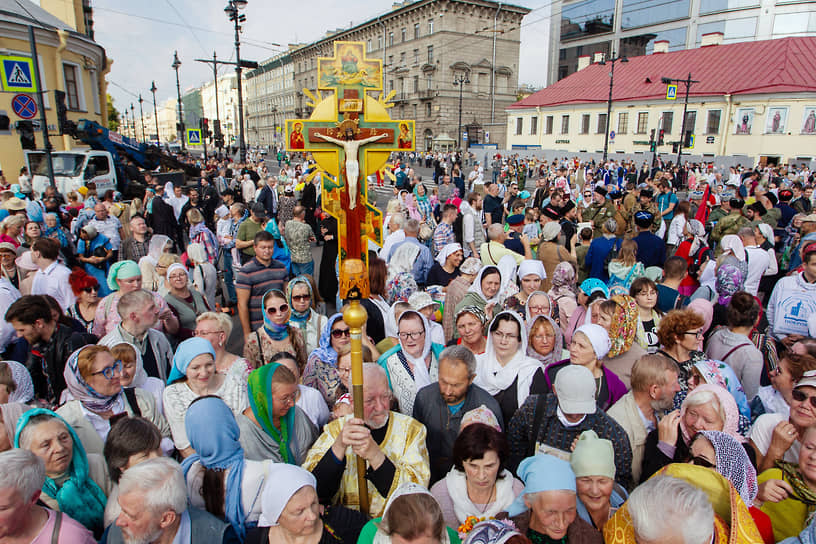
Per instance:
x=18, y=74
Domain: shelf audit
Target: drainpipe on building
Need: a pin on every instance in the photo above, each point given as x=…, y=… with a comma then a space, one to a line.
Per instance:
x=727, y=124
x=67, y=141
x=493, y=70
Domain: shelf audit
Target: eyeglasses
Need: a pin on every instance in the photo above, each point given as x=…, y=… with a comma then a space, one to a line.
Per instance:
x=649, y=293
x=205, y=333
x=543, y=337
x=539, y=309
x=301, y=298
x=90, y=289
x=702, y=462
x=800, y=396
x=272, y=310
x=110, y=371
x=337, y=333
x=343, y=370
x=411, y=335
x=698, y=334
x=505, y=336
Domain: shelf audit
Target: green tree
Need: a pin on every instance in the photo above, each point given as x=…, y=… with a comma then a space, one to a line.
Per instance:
x=113, y=114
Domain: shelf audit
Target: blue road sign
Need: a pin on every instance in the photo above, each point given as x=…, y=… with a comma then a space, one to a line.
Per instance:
x=24, y=106
x=671, y=92
x=17, y=74
x=193, y=136
x=612, y=135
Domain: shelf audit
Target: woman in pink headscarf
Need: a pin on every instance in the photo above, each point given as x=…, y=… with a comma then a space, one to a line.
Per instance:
x=704, y=309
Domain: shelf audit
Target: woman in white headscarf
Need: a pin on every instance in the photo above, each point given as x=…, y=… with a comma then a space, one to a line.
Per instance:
x=485, y=290
x=291, y=512
x=401, y=283
x=530, y=275
x=23, y=386
x=205, y=277
x=446, y=267
x=505, y=370
x=152, y=280
x=733, y=252
x=412, y=364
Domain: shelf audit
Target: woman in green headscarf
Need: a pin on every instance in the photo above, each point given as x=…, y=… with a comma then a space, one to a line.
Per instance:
x=76, y=483
x=273, y=427
x=302, y=302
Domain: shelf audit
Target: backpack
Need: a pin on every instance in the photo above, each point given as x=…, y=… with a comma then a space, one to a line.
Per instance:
x=697, y=261
x=613, y=253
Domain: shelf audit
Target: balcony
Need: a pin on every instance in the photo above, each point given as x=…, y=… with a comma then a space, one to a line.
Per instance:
x=428, y=94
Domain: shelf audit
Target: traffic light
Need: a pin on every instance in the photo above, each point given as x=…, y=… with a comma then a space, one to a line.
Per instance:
x=687, y=139
x=651, y=137
x=660, y=138
x=205, y=128
x=26, y=131
x=674, y=147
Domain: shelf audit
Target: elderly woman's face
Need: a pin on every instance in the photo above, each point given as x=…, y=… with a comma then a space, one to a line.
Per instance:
x=581, y=350
x=543, y=338
x=490, y=285
x=177, y=279
x=469, y=328
x=802, y=412
x=782, y=380
x=128, y=370
x=344, y=370
x=703, y=417
x=51, y=442
x=412, y=335
x=50, y=221
x=807, y=456
x=594, y=491
x=301, y=516
x=552, y=512
x=128, y=285
x=506, y=339
x=481, y=473
x=530, y=284
x=283, y=398
x=201, y=370
x=277, y=309
x=301, y=297
x=104, y=363
x=604, y=319
x=32, y=230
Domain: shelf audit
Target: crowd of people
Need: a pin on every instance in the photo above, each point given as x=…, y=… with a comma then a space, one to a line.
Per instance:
x=556, y=351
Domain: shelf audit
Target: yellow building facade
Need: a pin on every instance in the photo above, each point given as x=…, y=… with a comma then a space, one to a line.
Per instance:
x=69, y=61
x=770, y=117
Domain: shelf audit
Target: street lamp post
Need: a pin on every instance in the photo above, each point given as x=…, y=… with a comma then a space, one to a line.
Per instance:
x=180, y=128
x=133, y=118
x=688, y=83
x=153, y=90
x=460, y=81
x=613, y=60
x=141, y=116
x=233, y=12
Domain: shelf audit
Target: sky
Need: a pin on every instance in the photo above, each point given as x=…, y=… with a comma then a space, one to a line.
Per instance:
x=140, y=37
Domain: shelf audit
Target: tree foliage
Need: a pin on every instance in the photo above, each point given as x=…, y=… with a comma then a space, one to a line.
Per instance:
x=113, y=114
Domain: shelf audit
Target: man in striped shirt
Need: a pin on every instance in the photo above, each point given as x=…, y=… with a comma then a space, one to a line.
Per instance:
x=255, y=278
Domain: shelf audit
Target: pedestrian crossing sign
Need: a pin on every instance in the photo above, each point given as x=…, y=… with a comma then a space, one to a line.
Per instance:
x=193, y=136
x=671, y=92
x=18, y=74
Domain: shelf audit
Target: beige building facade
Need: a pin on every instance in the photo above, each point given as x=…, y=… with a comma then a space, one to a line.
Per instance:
x=270, y=100
x=425, y=45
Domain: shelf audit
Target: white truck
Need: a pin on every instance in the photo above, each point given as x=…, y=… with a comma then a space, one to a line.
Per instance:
x=72, y=170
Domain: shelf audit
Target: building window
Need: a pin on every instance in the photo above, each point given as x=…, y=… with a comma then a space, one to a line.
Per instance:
x=416, y=57
x=548, y=125
x=691, y=122
x=713, y=122
x=430, y=26
x=416, y=84
x=369, y=45
x=565, y=124
x=533, y=126
x=623, y=122
x=601, y=123
x=404, y=34
x=585, y=123
x=390, y=85
x=415, y=111
x=379, y=42
x=416, y=31
x=428, y=109
x=390, y=39
x=71, y=88
x=402, y=59
x=313, y=63
x=666, y=122
x=562, y=54
x=643, y=122
x=519, y=125
x=390, y=61
x=430, y=54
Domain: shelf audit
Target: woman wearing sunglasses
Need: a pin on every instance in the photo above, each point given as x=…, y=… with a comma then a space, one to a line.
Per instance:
x=86, y=290
x=302, y=302
x=276, y=334
x=95, y=394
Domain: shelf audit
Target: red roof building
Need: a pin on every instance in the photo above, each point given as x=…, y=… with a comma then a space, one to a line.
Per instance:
x=753, y=98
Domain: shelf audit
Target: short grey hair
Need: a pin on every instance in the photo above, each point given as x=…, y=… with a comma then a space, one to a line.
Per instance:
x=412, y=225
x=223, y=322
x=398, y=219
x=495, y=231
x=665, y=504
x=160, y=482
x=460, y=354
x=20, y=469
x=132, y=302
x=610, y=226
x=372, y=371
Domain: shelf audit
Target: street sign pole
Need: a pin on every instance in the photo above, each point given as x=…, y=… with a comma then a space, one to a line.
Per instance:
x=43, y=121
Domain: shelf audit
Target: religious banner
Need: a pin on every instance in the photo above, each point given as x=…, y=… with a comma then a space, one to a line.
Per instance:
x=351, y=136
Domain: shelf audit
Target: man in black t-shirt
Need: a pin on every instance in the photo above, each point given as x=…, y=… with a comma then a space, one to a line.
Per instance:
x=493, y=209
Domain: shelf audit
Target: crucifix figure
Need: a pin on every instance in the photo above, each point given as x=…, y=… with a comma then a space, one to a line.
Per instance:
x=352, y=166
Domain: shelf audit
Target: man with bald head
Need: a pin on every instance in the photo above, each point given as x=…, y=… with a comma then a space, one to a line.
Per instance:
x=392, y=445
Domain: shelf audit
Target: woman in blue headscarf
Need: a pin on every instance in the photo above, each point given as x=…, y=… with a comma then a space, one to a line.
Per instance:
x=321, y=368
x=423, y=204
x=76, y=483
x=194, y=375
x=218, y=477
x=302, y=303
x=276, y=334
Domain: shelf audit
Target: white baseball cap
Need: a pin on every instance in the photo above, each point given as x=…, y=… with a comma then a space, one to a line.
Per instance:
x=575, y=388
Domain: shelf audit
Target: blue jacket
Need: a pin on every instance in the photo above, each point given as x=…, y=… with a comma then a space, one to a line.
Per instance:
x=595, y=259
